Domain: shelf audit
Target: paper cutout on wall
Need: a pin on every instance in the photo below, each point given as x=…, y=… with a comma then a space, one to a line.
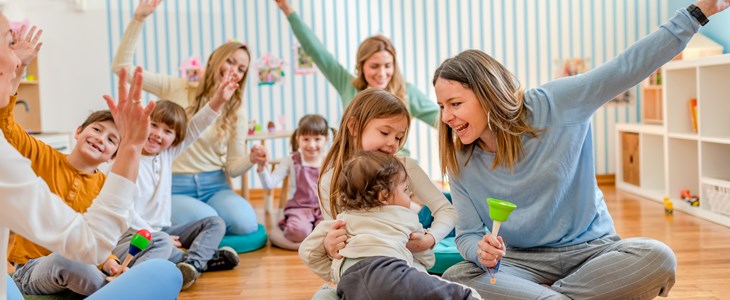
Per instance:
x=305, y=64
x=270, y=69
x=192, y=69
x=570, y=67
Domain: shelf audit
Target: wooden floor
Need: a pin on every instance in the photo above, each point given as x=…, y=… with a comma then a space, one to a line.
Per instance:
x=702, y=249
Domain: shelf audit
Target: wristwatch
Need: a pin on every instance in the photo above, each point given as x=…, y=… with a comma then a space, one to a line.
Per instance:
x=697, y=13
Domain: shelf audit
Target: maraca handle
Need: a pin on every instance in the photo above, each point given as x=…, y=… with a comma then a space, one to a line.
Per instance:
x=126, y=262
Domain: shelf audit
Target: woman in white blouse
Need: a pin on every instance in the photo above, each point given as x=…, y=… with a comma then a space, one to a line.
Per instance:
x=28, y=208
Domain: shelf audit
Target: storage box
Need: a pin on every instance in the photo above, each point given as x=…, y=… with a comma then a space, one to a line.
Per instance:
x=718, y=198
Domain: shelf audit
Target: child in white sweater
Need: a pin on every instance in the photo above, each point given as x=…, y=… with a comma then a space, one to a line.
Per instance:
x=373, y=200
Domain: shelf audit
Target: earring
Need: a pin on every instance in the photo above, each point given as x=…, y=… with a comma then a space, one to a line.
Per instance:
x=489, y=123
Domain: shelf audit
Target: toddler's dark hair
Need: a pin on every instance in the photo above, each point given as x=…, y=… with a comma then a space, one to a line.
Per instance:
x=366, y=179
x=310, y=125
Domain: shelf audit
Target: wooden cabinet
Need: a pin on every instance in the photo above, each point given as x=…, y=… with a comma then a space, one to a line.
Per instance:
x=676, y=155
x=630, y=157
x=28, y=108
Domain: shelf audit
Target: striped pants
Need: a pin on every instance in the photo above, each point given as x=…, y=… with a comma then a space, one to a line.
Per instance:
x=605, y=268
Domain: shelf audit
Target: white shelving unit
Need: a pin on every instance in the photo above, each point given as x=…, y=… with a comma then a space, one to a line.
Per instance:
x=673, y=157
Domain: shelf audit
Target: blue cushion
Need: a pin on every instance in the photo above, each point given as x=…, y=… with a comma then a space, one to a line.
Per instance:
x=446, y=256
x=246, y=242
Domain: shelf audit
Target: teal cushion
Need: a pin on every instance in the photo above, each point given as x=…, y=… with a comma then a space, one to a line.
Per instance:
x=446, y=256
x=246, y=242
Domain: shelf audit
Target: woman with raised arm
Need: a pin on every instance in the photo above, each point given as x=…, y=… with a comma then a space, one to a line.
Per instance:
x=535, y=148
x=200, y=180
x=376, y=67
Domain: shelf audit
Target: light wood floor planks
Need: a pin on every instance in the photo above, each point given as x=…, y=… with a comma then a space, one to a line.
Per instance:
x=702, y=249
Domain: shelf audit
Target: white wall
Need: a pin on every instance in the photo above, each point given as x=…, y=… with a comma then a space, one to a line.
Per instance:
x=526, y=35
x=73, y=64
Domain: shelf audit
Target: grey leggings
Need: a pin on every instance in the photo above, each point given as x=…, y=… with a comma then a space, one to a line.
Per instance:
x=605, y=268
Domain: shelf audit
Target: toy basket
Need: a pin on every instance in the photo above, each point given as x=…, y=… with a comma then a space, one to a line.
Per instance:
x=718, y=197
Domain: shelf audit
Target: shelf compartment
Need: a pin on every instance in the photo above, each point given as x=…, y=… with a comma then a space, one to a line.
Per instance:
x=714, y=101
x=682, y=166
x=715, y=162
x=681, y=87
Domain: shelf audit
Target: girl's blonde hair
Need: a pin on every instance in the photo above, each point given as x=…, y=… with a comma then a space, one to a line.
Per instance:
x=370, y=46
x=502, y=102
x=226, y=124
x=367, y=105
x=310, y=125
x=367, y=179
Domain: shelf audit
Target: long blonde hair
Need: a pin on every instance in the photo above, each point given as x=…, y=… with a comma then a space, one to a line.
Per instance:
x=370, y=46
x=225, y=125
x=367, y=105
x=503, y=104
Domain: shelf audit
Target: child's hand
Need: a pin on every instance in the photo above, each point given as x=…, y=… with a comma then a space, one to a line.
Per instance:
x=259, y=156
x=176, y=240
x=132, y=119
x=111, y=267
x=145, y=8
x=224, y=92
x=336, y=239
x=490, y=250
x=420, y=241
x=26, y=46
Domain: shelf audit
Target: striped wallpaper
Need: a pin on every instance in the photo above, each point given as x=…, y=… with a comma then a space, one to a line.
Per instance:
x=528, y=36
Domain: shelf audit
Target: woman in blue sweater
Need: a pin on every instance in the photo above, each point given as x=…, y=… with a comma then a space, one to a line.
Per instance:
x=535, y=148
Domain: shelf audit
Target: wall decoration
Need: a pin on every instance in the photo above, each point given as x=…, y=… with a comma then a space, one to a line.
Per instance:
x=192, y=69
x=570, y=67
x=305, y=64
x=270, y=69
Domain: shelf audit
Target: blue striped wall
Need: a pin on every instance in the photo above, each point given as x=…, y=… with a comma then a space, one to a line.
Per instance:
x=528, y=36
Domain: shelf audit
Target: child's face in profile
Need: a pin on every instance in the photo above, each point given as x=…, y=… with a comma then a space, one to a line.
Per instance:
x=384, y=134
x=311, y=146
x=160, y=138
x=401, y=194
x=98, y=142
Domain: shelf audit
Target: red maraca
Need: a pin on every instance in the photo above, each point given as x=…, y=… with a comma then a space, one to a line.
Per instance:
x=140, y=240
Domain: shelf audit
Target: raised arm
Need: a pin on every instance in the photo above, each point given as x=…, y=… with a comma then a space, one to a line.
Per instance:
x=577, y=97
x=421, y=107
x=163, y=86
x=26, y=47
x=335, y=73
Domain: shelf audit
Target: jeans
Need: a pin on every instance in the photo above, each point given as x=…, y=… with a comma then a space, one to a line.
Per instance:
x=196, y=196
x=153, y=279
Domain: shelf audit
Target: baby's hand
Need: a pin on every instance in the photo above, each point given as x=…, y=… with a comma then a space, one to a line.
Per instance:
x=420, y=241
x=490, y=250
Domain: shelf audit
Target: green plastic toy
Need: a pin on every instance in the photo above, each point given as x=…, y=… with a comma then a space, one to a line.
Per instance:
x=499, y=211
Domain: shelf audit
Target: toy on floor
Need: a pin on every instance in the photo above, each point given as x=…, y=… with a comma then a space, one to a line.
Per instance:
x=668, y=206
x=689, y=198
x=140, y=240
x=499, y=211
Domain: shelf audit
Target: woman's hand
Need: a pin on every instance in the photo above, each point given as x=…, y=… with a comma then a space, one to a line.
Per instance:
x=490, y=250
x=224, y=92
x=145, y=8
x=420, y=241
x=336, y=239
x=259, y=156
x=131, y=118
x=711, y=7
x=26, y=46
x=284, y=6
